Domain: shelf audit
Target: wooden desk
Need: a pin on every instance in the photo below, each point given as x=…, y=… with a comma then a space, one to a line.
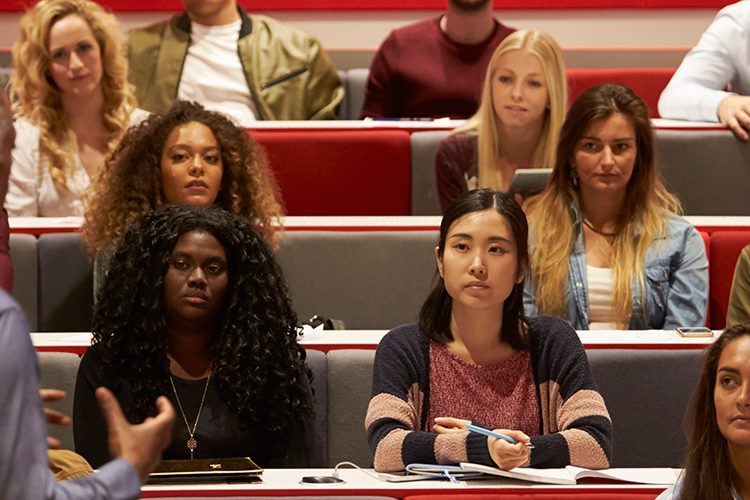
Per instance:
x=286, y=482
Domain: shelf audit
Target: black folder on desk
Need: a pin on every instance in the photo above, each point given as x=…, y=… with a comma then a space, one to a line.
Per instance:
x=217, y=470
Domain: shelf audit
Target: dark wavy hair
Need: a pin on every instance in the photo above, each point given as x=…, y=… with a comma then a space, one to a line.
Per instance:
x=257, y=363
x=435, y=314
x=708, y=469
x=130, y=184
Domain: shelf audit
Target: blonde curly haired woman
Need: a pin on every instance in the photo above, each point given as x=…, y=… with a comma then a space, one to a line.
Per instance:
x=72, y=104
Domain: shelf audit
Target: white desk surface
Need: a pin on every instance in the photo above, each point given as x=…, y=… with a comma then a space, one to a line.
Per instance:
x=37, y=225
x=368, y=339
x=284, y=482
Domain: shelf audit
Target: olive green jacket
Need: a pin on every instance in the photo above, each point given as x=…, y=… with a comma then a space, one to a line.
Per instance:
x=288, y=73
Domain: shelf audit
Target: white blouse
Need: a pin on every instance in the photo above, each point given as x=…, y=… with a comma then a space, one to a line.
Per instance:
x=31, y=190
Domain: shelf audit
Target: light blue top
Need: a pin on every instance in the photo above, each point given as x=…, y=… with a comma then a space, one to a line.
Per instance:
x=676, y=281
x=675, y=491
x=24, y=470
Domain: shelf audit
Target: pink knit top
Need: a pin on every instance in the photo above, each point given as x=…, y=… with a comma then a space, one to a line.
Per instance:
x=499, y=396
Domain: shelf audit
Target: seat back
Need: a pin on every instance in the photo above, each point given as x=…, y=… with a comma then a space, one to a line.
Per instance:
x=317, y=362
x=356, y=79
x=66, y=294
x=349, y=391
x=368, y=279
x=340, y=172
x=647, y=83
x=424, y=196
x=59, y=371
x=726, y=247
x=647, y=393
x=709, y=170
x=23, y=251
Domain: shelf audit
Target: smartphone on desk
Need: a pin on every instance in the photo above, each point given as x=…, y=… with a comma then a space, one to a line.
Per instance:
x=695, y=331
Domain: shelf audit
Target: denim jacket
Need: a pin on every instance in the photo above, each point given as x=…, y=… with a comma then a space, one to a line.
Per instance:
x=676, y=281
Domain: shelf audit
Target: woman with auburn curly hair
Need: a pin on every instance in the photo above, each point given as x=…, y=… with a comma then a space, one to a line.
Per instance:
x=718, y=451
x=195, y=306
x=72, y=101
x=609, y=250
x=188, y=155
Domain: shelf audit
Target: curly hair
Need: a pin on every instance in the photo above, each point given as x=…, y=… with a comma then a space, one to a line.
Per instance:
x=257, y=363
x=130, y=184
x=37, y=98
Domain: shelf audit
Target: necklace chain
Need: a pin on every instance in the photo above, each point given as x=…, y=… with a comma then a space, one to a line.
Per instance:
x=599, y=231
x=192, y=444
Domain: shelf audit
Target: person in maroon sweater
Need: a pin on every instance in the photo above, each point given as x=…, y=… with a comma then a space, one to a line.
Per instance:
x=434, y=68
x=7, y=138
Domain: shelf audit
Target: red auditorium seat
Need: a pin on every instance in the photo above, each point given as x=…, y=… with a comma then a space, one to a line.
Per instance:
x=648, y=83
x=725, y=250
x=707, y=242
x=340, y=172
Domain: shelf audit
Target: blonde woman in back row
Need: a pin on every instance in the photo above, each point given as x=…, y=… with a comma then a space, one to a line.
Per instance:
x=72, y=104
x=518, y=121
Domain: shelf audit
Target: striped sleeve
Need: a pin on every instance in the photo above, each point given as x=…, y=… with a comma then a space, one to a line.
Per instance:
x=576, y=427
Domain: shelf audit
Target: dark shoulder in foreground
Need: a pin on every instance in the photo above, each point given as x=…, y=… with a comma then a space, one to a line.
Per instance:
x=551, y=330
x=403, y=335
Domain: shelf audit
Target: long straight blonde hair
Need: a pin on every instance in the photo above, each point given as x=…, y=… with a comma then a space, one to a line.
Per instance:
x=486, y=124
x=644, y=215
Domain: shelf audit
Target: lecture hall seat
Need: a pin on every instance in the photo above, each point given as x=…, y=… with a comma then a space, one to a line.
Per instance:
x=340, y=172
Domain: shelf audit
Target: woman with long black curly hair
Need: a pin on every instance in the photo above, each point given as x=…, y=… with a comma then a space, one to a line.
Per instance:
x=194, y=306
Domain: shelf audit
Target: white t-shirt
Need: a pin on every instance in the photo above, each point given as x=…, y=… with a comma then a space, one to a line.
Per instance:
x=212, y=74
x=601, y=292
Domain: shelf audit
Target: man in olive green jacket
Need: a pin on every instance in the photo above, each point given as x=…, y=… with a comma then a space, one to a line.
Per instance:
x=287, y=74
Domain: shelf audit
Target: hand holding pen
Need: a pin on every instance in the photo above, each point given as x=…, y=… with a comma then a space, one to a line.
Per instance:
x=509, y=449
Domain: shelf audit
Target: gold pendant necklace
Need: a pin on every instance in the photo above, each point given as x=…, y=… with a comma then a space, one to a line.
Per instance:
x=192, y=444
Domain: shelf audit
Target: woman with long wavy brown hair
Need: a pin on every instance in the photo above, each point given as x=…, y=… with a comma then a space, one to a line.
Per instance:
x=72, y=103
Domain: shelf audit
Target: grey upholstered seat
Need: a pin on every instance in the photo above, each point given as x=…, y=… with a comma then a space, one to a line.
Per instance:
x=647, y=393
x=65, y=284
x=368, y=279
x=23, y=251
x=424, y=197
x=709, y=170
x=59, y=371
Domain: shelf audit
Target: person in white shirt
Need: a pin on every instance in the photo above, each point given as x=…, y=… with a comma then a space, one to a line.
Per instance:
x=72, y=103
x=713, y=81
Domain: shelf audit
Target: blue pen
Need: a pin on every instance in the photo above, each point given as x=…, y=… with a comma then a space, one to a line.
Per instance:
x=489, y=433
